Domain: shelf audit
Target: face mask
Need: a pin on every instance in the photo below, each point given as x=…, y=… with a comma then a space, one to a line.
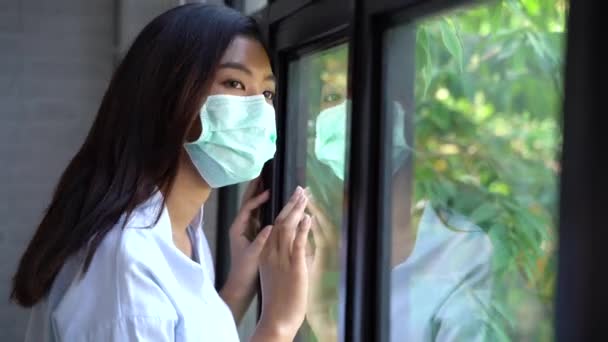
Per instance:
x=330, y=142
x=238, y=137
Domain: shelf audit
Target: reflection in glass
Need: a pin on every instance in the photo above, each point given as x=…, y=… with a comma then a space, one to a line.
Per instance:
x=473, y=206
x=317, y=94
x=252, y=6
x=474, y=101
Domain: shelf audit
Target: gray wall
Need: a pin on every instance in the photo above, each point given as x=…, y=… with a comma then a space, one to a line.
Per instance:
x=55, y=61
x=56, y=58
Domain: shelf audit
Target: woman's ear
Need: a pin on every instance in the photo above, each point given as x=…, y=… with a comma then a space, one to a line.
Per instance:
x=195, y=130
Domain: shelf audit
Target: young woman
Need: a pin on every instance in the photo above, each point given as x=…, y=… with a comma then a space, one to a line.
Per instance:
x=120, y=254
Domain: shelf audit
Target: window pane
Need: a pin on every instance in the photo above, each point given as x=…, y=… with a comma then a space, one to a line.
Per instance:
x=474, y=96
x=252, y=6
x=318, y=108
x=250, y=319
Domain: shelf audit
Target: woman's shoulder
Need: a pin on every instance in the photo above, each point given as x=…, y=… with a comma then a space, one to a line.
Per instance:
x=138, y=254
x=453, y=238
x=141, y=238
x=123, y=284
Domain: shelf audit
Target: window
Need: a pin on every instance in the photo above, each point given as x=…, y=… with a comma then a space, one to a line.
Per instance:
x=317, y=98
x=252, y=6
x=474, y=97
x=454, y=138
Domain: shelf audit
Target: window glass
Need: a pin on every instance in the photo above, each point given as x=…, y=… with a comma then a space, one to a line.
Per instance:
x=318, y=112
x=474, y=96
x=252, y=6
x=249, y=321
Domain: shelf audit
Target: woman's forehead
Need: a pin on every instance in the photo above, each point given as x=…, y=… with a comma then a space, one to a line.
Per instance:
x=246, y=51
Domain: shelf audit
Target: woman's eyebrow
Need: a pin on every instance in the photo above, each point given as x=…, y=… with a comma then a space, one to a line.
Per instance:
x=237, y=66
x=245, y=69
x=271, y=78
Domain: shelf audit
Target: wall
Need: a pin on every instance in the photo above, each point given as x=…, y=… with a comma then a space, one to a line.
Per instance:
x=55, y=62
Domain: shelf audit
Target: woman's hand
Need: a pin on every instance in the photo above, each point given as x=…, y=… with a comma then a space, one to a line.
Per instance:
x=239, y=290
x=320, y=304
x=284, y=272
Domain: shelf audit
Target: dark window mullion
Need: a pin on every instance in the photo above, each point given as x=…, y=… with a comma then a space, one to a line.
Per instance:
x=280, y=10
x=228, y=202
x=582, y=282
x=367, y=274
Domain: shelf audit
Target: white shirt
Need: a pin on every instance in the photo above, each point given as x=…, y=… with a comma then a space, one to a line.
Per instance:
x=139, y=287
x=442, y=291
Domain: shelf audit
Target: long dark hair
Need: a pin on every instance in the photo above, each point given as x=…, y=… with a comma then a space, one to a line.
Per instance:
x=133, y=147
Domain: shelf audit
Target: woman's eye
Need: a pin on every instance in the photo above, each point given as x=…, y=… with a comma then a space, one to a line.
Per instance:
x=234, y=84
x=269, y=95
x=332, y=97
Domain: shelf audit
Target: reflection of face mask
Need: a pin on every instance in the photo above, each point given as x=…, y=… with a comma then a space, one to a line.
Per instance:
x=330, y=142
x=238, y=137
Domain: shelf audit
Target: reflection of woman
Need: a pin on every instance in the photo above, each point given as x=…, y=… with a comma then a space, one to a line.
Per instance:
x=120, y=254
x=440, y=280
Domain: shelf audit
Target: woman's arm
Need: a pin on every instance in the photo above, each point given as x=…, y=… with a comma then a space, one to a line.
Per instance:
x=239, y=290
x=465, y=315
x=270, y=333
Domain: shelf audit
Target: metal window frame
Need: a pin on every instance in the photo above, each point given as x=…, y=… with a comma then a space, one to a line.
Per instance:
x=367, y=275
x=582, y=281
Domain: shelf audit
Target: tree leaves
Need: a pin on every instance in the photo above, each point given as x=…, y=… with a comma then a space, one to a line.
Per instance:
x=424, y=61
x=484, y=213
x=452, y=41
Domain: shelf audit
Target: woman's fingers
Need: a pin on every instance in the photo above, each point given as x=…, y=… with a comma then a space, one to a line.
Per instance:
x=256, y=201
x=257, y=246
x=322, y=226
x=314, y=209
x=242, y=221
x=298, y=254
x=296, y=214
x=289, y=226
x=317, y=234
x=290, y=204
x=286, y=233
x=252, y=189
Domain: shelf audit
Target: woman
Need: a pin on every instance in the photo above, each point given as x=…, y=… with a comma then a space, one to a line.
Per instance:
x=119, y=254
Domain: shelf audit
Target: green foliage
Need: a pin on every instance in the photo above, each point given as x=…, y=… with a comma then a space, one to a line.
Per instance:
x=488, y=137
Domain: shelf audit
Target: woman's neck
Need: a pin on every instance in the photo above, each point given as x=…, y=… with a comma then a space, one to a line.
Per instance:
x=187, y=196
x=404, y=231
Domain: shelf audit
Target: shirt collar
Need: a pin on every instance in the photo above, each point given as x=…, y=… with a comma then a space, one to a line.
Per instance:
x=146, y=214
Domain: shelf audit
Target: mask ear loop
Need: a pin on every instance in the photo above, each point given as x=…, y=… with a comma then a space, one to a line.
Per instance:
x=195, y=131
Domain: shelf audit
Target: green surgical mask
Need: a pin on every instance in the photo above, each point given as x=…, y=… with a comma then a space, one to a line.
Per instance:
x=238, y=137
x=330, y=141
